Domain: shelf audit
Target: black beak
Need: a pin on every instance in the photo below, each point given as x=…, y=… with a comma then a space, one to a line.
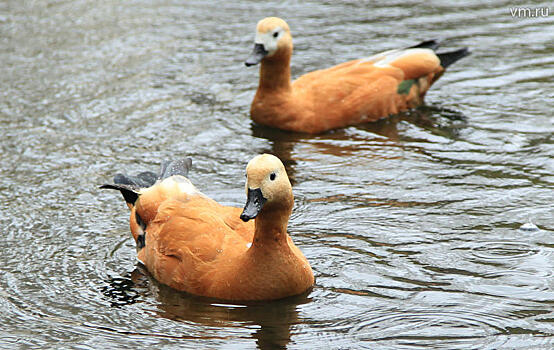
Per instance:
x=254, y=204
x=257, y=55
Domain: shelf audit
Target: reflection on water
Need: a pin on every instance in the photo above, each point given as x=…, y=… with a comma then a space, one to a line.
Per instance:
x=417, y=226
x=268, y=322
x=120, y=290
x=440, y=122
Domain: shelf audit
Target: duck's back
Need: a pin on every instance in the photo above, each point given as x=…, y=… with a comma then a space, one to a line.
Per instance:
x=188, y=236
x=366, y=89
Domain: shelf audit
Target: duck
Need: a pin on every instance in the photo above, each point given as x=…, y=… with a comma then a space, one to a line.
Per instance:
x=191, y=243
x=358, y=91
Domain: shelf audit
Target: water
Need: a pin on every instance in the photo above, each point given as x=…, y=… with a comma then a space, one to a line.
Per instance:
x=412, y=224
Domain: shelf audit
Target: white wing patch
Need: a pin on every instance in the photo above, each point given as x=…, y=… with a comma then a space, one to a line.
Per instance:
x=174, y=184
x=377, y=57
x=184, y=184
x=384, y=59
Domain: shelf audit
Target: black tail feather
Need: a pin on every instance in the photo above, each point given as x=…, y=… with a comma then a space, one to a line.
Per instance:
x=129, y=194
x=447, y=58
x=130, y=185
x=432, y=44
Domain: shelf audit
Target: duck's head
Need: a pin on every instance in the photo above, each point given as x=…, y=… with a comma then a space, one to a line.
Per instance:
x=267, y=187
x=272, y=36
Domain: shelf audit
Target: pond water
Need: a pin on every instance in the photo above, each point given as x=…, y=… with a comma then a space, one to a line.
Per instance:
x=413, y=225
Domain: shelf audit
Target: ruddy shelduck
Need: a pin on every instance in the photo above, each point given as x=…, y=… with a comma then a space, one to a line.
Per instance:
x=191, y=243
x=358, y=91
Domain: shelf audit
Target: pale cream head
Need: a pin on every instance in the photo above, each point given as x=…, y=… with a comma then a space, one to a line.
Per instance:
x=268, y=173
x=273, y=33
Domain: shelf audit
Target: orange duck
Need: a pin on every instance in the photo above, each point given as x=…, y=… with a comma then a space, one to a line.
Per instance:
x=191, y=243
x=358, y=91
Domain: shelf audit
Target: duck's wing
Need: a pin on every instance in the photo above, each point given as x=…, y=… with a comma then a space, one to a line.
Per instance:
x=399, y=64
x=186, y=236
x=152, y=189
x=371, y=88
x=402, y=64
x=131, y=185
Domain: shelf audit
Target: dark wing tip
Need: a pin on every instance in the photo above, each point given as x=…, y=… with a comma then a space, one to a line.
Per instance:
x=129, y=185
x=129, y=194
x=432, y=44
x=142, y=180
x=447, y=58
x=108, y=186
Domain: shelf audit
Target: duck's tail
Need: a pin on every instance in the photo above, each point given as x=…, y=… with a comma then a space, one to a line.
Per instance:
x=130, y=185
x=447, y=58
x=432, y=44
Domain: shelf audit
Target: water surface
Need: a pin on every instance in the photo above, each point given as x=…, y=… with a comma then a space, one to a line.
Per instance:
x=411, y=224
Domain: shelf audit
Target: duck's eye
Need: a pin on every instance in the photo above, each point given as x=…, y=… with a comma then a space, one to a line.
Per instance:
x=276, y=34
x=272, y=176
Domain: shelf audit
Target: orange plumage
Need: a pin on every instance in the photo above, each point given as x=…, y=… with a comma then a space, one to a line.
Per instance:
x=357, y=91
x=191, y=243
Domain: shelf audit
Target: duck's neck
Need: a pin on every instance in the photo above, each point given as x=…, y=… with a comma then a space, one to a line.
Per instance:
x=271, y=227
x=275, y=71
